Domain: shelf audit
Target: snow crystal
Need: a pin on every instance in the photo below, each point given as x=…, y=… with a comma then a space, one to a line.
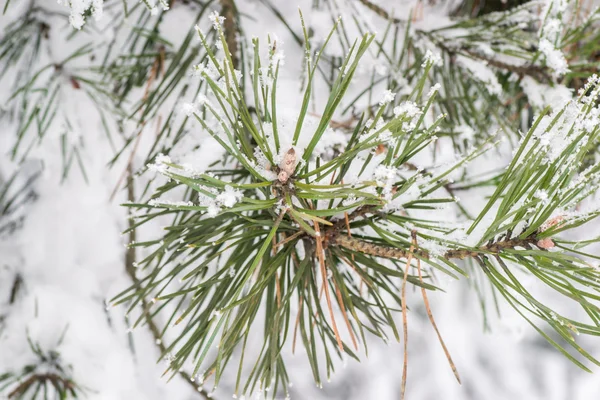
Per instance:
x=197, y=70
x=160, y=163
x=552, y=29
x=541, y=195
x=164, y=4
x=387, y=97
x=433, y=89
x=79, y=8
x=216, y=19
x=431, y=58
x=555, y=59
x=466, y=133
x=333, y=140
x=202, y=99
x=384, y=176
x=553, y=15
x=542, y=95
x=482, y=73
x=278, y=56
x=407, y=108
x=229, y=197
x=167, y=203
x=189, y=109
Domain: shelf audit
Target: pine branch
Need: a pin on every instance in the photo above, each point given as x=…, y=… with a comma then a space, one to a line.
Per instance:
x=259, y=228
x=365, y=247
x=62, y=384
x=541, y=74
x=45, y=375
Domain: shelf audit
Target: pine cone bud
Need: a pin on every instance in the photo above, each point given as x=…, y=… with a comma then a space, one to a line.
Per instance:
x=551, y=222
x=283, y=177
x=545, y=243
x=288, y=164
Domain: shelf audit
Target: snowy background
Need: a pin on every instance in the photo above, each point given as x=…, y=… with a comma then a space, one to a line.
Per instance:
x=64, y=245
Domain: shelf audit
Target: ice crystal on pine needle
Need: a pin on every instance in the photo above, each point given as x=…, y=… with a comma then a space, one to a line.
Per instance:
x=79, y=9
x=387, y=97
x=216, y=19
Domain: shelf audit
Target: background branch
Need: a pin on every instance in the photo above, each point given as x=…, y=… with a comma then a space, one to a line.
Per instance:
x=130, y=259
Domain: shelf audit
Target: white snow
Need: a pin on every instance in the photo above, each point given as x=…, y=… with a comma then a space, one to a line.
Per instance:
x=387, y=97
x=555, y=59
x=80, y=7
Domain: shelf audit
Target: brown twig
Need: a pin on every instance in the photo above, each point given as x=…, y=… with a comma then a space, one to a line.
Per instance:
x=535, y=71
x=157, y=67
x=365, y=247
x=230, y=30
x=359, y=212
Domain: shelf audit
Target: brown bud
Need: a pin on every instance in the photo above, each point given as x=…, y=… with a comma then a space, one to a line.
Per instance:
x=283, y=177
x=288, y=164
x=551, y=222
x=545, y=243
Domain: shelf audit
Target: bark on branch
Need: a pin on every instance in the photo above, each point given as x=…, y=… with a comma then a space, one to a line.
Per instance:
x=365, y=247
x=230, y=29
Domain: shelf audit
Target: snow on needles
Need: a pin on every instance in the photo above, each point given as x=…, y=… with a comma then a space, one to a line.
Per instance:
x=210, y=197
x=227, y=198
x=550, y=32
x=80, y=7
x=555, y=59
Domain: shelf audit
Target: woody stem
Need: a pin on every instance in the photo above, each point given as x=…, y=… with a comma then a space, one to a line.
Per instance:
x=365, y=247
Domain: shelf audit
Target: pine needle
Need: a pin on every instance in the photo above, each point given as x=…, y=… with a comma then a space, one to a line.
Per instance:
x=324, y=276
x=405, y=322
x=296, y=324
x=345, y=314
x=430, y=314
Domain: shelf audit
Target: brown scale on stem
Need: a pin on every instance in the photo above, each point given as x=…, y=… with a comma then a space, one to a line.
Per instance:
x=362, y=246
